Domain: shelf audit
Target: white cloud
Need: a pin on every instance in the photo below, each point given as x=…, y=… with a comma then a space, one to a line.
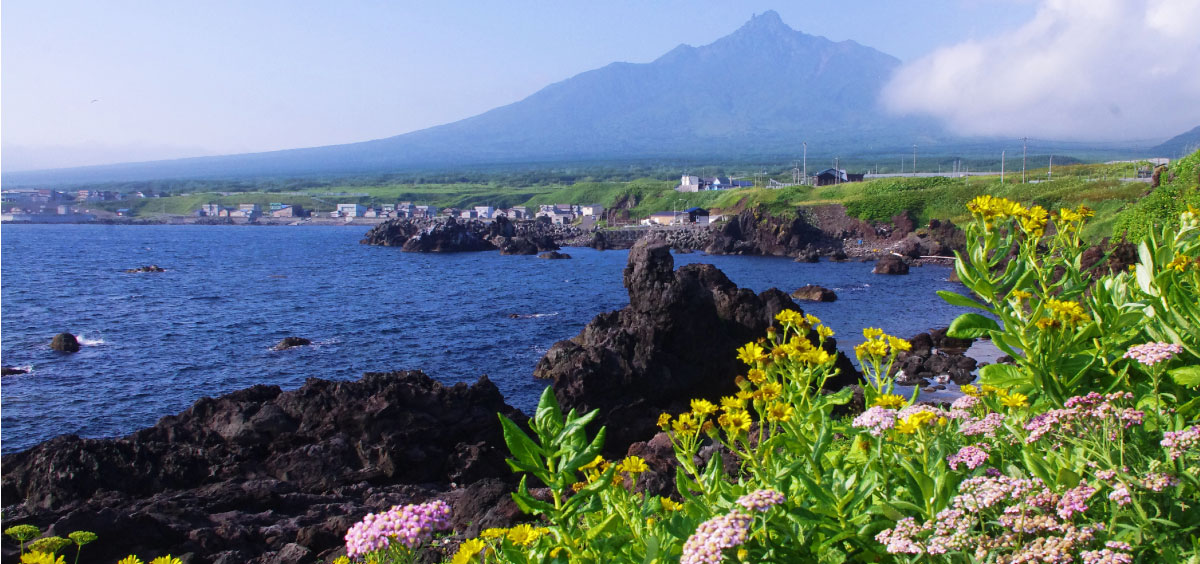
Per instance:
x=1080, y=69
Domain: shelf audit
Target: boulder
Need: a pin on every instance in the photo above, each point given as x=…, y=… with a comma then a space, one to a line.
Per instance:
x=11, y=371
x=676, y=340
x=65, y=342
x=935, y=355
x=813, y=293
x=890, y=264
x=262, y=473
x=554, y=255
x=150, y=268
x=289, y=342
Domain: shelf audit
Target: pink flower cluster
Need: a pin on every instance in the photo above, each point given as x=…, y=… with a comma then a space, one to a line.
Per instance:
x=1158, y=481
x=1018, y=519
x=972, y=456
x=1178, y=442
x=965, y=403
x=986, y=426
x=408, y=525
x=715, y=535
x=761, y=500
x=876, y=420
x=1085, y=413
x=1150, y=354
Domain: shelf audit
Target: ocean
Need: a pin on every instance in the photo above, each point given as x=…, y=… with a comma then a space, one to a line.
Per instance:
x=154, y=343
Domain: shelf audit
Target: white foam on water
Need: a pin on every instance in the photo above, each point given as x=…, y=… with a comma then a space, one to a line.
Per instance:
x=88, y=342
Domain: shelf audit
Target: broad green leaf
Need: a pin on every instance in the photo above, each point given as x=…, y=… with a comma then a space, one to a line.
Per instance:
x=602, y=527
x=1187, y=376
x=971, y=326
x=1002, y=376
x=955, y=299
x=519, y=444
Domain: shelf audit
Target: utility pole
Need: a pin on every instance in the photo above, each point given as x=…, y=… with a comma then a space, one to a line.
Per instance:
x=1050, y=173
x=914, y=159
x=1001, y=167
x=805, y=162
x=837, y=172
x=1024, y=154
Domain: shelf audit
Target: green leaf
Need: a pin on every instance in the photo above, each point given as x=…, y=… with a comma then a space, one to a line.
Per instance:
x=1067, y=479
x=588, y=454
x=840, y=397
x=971, y=326
x=549, y=418
x=955, y=299
x=1002, y=376
x=1187, y=376
x=519, y=444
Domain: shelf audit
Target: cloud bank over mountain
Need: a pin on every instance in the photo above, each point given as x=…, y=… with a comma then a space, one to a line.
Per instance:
x=1080, y=69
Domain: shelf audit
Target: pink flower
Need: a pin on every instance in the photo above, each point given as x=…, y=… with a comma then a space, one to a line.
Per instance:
x=1075, y=500
x=1178, y=442
x=408, y=525
x=715, y=535
x=972, y=456
x=1150, y=354
x=876, y=420
x=760, y=500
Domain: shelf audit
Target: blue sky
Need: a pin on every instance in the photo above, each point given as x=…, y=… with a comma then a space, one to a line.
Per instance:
x=93, y=82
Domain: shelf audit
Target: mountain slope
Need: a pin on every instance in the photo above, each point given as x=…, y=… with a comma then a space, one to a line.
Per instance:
x=763, y=90
x=1180, y=145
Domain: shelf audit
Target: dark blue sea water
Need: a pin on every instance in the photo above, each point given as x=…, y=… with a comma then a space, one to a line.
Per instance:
x=155, y=343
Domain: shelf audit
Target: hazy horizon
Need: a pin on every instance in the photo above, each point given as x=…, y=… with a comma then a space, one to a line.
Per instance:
x=85, y=84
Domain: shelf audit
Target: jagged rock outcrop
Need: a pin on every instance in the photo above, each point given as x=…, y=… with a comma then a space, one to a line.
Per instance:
x=241, y=477
x=676, y=340
x=65, y=342
x=756, y=232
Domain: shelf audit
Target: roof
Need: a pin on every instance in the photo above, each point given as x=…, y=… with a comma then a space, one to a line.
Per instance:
x=696, y=210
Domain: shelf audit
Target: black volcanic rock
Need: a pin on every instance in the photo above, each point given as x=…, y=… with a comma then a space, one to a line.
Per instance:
x=245, y=475
x=289, y=342
x=12, y=371
x=554, y=255
x=890, y=264
x=65, y=342
x=676, y=340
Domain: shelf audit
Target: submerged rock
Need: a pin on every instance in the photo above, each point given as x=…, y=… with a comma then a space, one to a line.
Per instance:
x=65, y=342
x=554, y=255
x=11, y=371
x=890, y=264
x=676, y=340
x=150, y=268
x=289, y=342
x=813, y=293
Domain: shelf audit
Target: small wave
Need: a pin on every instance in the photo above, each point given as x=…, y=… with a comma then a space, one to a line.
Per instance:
x=531, y=315
x=206, y=298
x=89, y=342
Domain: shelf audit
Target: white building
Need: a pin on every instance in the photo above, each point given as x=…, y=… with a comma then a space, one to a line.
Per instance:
x=351, y=210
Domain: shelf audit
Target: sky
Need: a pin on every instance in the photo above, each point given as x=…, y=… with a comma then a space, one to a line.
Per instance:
x=85, y=82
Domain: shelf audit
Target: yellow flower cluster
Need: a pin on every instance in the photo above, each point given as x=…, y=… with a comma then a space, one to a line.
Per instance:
x=1181, y=263
x=521, y=535
x=1076, y=215
x=630, y=466
x=1063, y=314
x=131, y=559
x=1009, y=399
x=39, y=557
x=467, y=550
x=890, y=401
x=879, y=345
x=990, y=208
x=913, y=422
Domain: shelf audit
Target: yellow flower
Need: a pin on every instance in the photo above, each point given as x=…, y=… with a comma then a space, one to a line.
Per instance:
x=756, y=376
x=870, y=333
x=789, y=316
x=524, y=534
x=824, y=332
x=811, y=319
x=732, y=402
x=669, y=504
x=168, y=559
x=343, y=559
x=736, y=422
x=751, y=353
x=1070, y=313
x=989, y=389
x=906, y=426
x=632, y=465
x=131, y=559
x=650, y=521
x=970, y=390
x=664, y=421
x=942, y=421
x=1019, y=295
x=771, y=391
x=600, y=459
x=578, y=486
x=493, y=533
x=1179, y=263
x=686, y=423
x=897, y=344
x=1048, y=323
x=39, y=557
x=1015, y=400
x=779, y=412
x=467, y=550
x=556, y=551
x=890, y=401
x=1033, y=221
x=703, y=408
x=921, y=417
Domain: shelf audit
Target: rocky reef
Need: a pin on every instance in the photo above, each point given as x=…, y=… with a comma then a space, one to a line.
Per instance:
x=262, y=475
x=449, y=235
x=676, y=340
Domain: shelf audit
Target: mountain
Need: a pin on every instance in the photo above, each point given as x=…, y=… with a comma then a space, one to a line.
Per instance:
x=1180, y=145
x=760, y=91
